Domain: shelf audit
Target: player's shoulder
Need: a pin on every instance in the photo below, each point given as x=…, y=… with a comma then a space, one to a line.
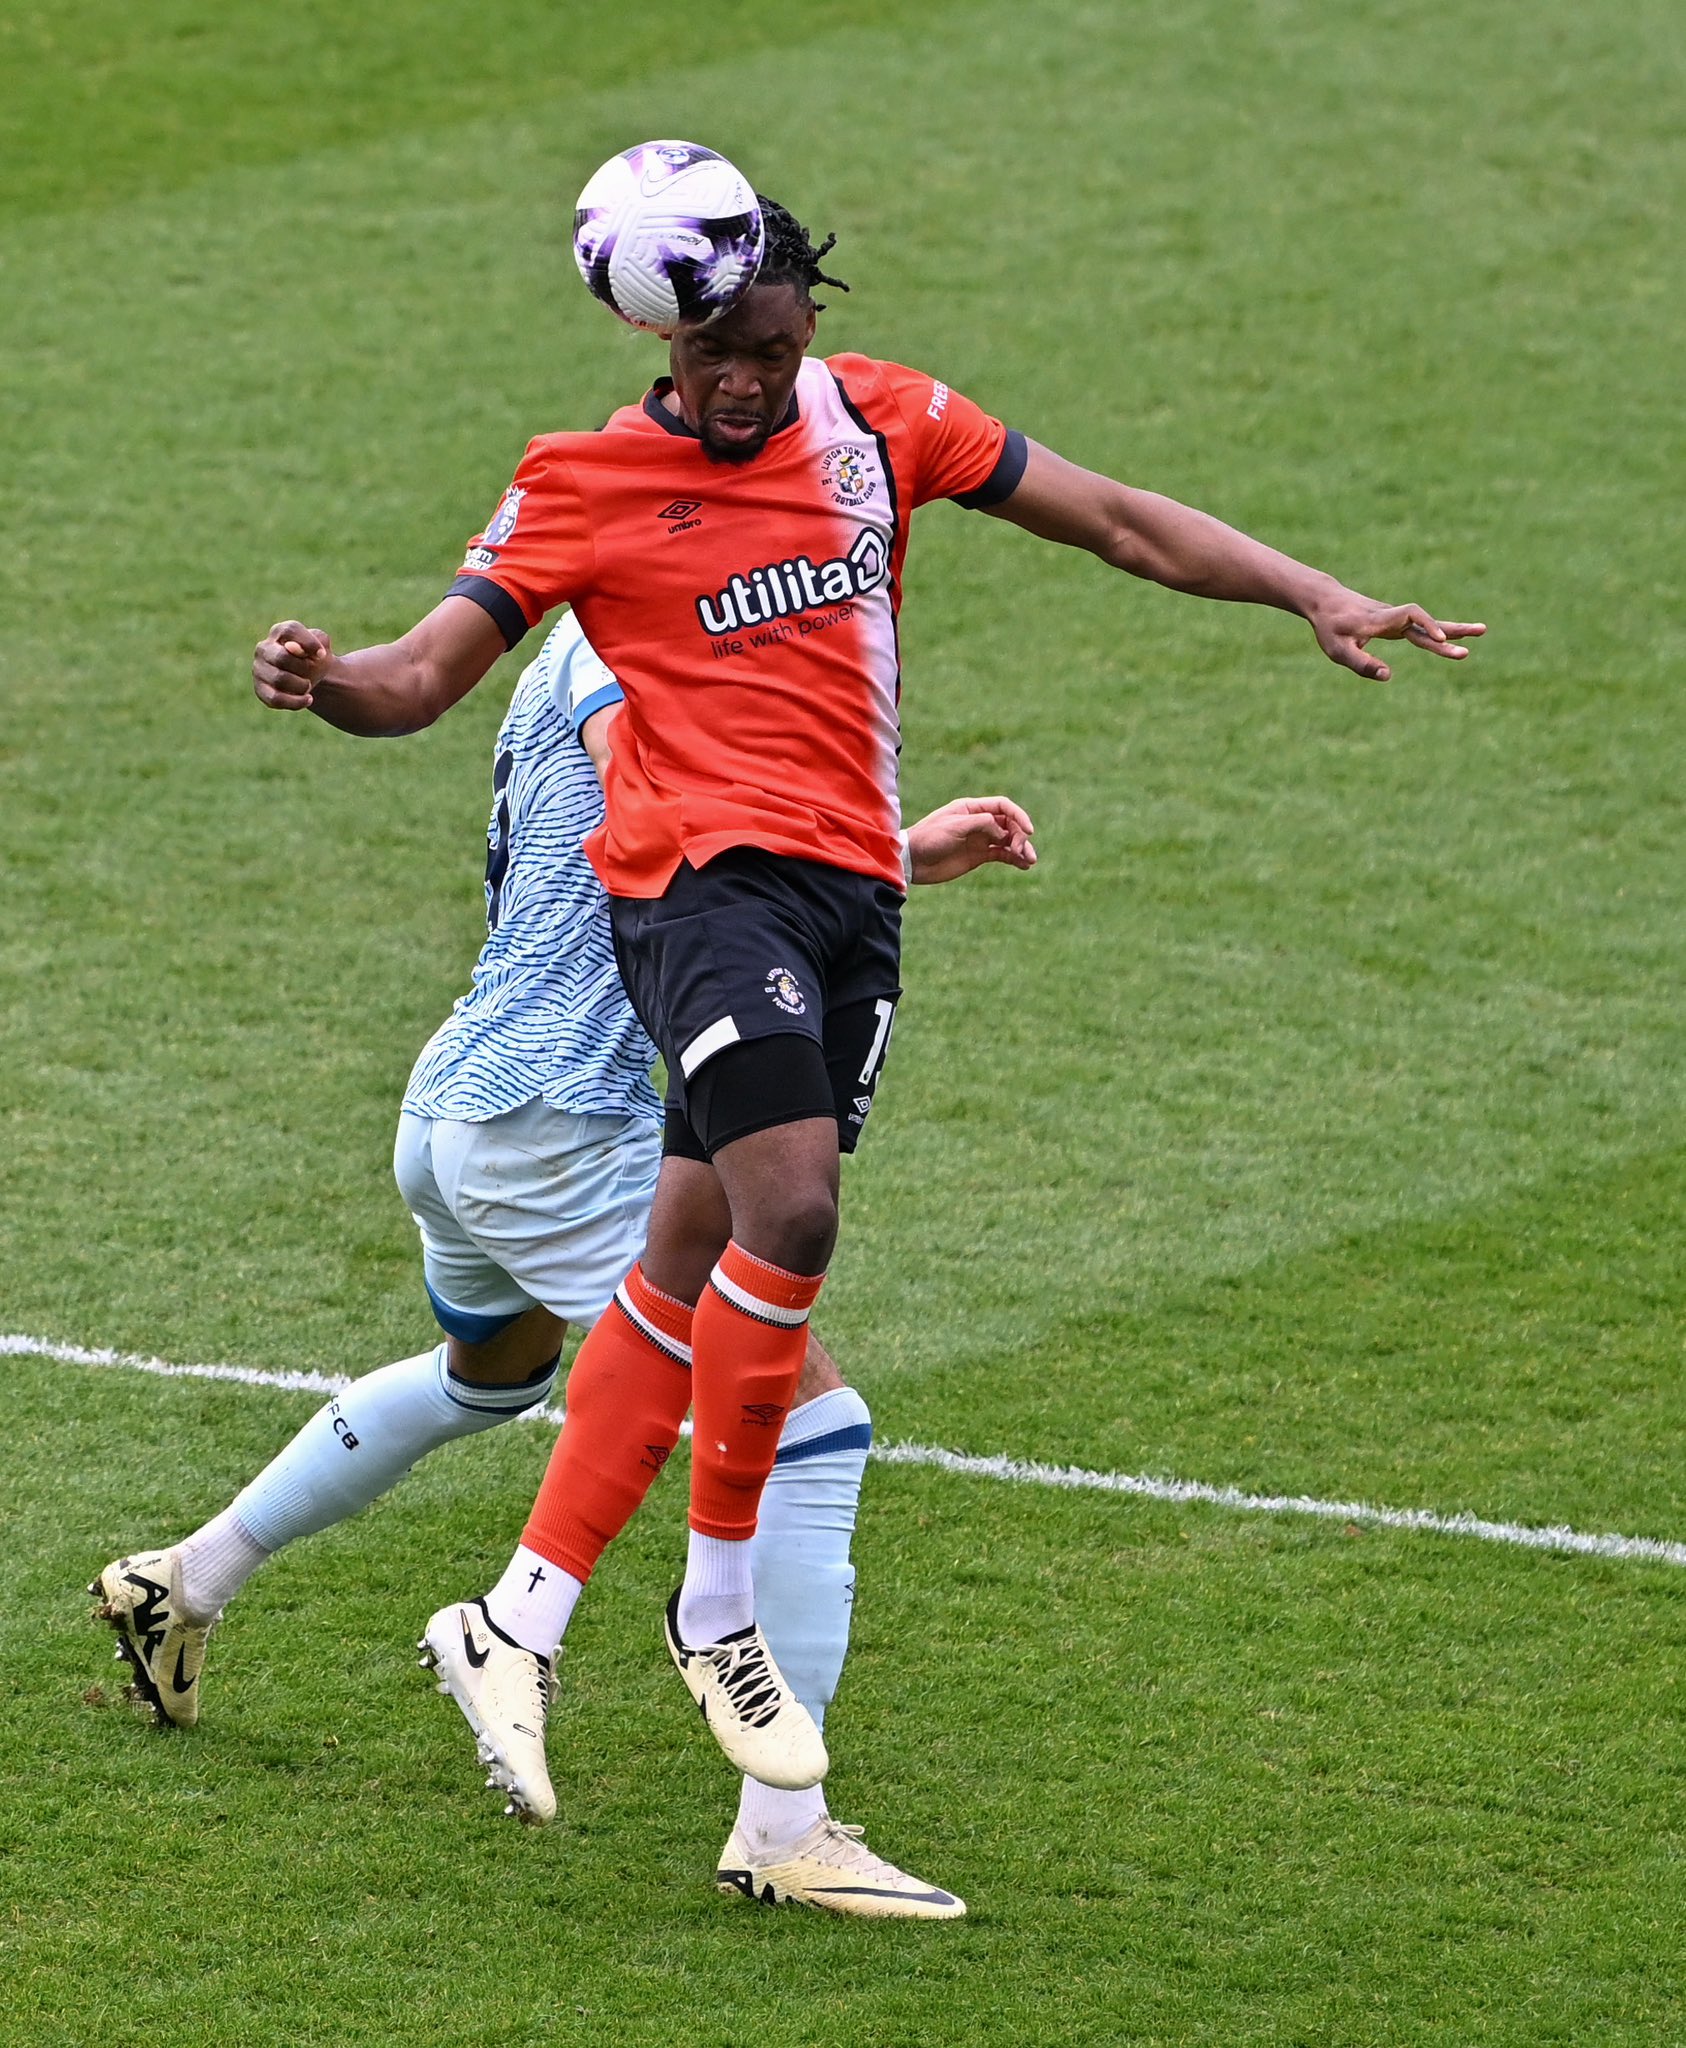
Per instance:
x=874, y=373
x=577, y=448
x=872, y=382
x=630, y=419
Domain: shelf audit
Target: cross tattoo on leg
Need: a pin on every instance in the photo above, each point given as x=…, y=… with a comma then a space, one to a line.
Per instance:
x=538, y=1573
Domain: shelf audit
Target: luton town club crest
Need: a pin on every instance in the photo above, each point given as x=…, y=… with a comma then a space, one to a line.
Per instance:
x=786, y=992
x=844, y=470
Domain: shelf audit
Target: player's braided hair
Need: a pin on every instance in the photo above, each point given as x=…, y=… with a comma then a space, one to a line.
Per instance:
x=791, y=257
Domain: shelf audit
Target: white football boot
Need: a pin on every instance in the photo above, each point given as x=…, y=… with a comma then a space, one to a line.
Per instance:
x=754, y=1716
x=832, y=1868
x=141, y=1598
x=505, y=1693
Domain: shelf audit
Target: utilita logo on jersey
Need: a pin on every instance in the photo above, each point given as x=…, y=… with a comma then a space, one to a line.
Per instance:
x=776, y=598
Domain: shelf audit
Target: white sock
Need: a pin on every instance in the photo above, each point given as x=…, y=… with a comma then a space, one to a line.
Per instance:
x=533, y=1602
x=771, y=1822
x=365, y=1440
x=804, y=1582
x=216, y=1562
x=718, y=1596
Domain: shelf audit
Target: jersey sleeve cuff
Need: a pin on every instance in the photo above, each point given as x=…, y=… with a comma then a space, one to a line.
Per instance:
x=599, y=699
x=496, y=602
x=1003, y=479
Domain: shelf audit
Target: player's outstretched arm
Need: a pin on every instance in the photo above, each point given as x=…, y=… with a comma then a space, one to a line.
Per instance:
x=378, y=692
x=966, y=833
x=1173, y=544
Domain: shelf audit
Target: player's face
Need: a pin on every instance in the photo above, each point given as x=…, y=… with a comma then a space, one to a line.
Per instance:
x=734, y=377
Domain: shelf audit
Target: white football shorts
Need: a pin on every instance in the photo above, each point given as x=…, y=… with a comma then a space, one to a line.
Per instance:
x=536, y=1206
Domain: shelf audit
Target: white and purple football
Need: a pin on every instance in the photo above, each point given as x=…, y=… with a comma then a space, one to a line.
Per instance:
x=666, y=232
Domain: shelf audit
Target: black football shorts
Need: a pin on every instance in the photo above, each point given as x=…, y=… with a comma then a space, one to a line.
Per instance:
x=770, y=985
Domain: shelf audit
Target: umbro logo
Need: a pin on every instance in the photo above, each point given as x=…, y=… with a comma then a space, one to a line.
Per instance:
x=681, y=514
x=762, y=1412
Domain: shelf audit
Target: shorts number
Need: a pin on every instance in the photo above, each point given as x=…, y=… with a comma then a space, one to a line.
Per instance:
x=885, y=1011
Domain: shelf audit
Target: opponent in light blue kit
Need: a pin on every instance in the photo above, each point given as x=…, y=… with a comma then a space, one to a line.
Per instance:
x=529, y=1140
x=527, y=1152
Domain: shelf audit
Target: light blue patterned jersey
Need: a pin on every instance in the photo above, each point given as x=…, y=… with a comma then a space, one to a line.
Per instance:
x=546, y=1015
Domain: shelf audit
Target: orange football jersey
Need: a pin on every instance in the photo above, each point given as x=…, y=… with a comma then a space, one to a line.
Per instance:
x=748, y=610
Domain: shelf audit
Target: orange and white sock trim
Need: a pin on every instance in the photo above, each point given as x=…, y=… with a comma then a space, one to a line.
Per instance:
x=764, y=1291
x=663, y=1318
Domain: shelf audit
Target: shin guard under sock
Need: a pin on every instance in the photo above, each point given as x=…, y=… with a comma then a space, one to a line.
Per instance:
x=804, y=1581
x=749, y=1337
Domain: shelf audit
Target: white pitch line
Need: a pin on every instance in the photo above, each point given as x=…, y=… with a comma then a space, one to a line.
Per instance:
x=1013, y=1471
x=1527, y=1536
x=128, y=1361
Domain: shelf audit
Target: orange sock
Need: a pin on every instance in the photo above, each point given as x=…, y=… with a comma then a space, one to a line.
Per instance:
x=627, y=1395
x=749, y=1336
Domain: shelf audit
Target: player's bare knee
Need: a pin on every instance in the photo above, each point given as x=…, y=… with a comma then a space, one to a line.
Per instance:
x=811, y=1234
x=797, y=1232
x=520, y=1351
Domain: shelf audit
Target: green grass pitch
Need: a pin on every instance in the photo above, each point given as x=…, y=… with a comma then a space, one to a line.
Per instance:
x=1309, y=1122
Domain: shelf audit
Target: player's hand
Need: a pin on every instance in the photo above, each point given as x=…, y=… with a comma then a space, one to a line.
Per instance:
x=1345, y=623
x=965, y=834
x=288, y=664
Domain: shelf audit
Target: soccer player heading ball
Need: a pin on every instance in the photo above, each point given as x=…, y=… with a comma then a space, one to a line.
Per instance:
x=527, y=1153
x=733, y=545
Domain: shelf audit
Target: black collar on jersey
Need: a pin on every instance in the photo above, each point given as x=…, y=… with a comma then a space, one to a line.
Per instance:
x=661, y=388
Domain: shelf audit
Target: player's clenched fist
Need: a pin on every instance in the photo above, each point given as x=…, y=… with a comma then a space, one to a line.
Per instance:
x=288, y=664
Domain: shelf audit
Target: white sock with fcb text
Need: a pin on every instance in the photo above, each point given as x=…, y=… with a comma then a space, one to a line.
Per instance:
x=345, y=1456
